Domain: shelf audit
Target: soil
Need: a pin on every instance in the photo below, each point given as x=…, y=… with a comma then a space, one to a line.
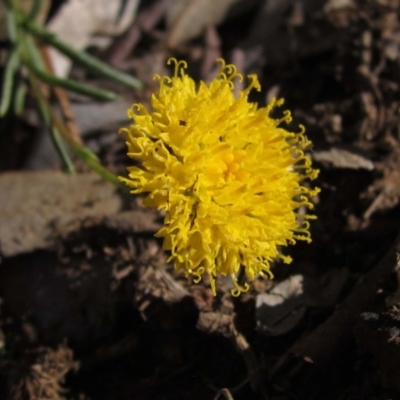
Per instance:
x=89, y=306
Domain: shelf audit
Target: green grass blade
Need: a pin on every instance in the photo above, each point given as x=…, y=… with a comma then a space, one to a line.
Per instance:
x=69, y=84
x=36, y=7
x=31, y=52
x=11, y=69
x=61, y=150
x=11, y=24
x=87, y=155
x=33, y=60
x=83, y=152
x=19, y=99
x=55, y=136
x=84, y=58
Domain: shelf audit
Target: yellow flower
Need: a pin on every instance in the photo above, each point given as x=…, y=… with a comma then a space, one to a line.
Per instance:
x=228, y=175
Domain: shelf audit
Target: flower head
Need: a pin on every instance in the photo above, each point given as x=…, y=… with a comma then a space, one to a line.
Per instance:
x=228, y=175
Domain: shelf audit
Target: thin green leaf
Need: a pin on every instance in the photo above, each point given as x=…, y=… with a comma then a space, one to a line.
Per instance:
x=11, y=24
x=63, y=153
x=55, y=136
x=19, y=99
x=70, y=84
x=81, y=151
x=84, y=58
x=39, y=31
x=12, y=67
x=36, y=7
x=33, y=60
x=87, y=154
x=31, y=52
x=105, y=173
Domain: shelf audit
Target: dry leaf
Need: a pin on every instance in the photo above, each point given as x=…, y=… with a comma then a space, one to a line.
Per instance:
x=78, y=20
x=281, y=309
x=187, y=19
x=40, y=206
x=341, y=158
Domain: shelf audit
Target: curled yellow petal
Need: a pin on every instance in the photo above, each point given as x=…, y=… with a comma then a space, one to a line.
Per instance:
x=231, y=179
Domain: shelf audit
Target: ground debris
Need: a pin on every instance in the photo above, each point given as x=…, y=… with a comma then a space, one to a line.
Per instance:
x=378, y=333
x=39, y=374
x=39, y=207
x=159, y=283
x=343, y=158
x=329, y=340
x=385, y=191
x=280, y=310
x=222, y=322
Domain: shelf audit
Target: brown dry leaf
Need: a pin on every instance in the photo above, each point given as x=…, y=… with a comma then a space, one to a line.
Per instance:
x=187, y=19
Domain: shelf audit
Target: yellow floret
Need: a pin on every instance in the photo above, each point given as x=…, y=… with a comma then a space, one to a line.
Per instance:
x=228, y=175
